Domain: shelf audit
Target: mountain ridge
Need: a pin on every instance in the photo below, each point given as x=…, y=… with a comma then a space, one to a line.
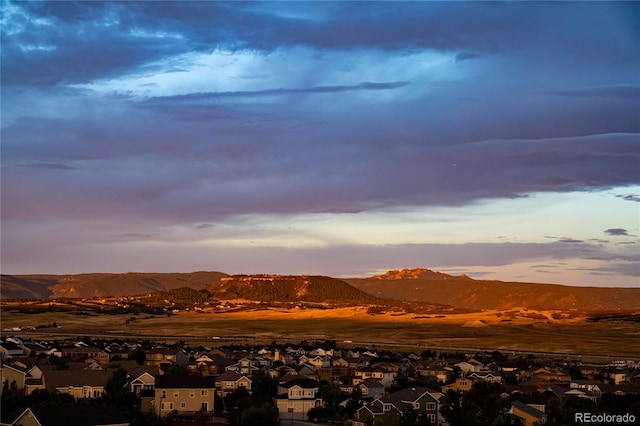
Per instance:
x=413, y=285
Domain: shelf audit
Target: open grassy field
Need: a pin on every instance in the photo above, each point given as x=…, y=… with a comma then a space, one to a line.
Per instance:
x=482, y=330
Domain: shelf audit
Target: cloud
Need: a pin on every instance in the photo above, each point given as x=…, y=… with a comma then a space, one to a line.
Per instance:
x=50, y=166
x=616, y=231
x=630, y=197
x=135, y=236
x=632, y=92
x=281, y=91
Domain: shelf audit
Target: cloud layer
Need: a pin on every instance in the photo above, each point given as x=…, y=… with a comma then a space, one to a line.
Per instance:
x=133, y=118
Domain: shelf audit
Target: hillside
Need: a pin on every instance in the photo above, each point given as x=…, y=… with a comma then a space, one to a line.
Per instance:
x=100, y=285
x=287, y=288
x=423, y=285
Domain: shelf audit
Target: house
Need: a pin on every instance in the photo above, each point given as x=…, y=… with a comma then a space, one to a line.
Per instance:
x=81, y=384
x=486, y=375
x=84, y=353
x=244, y=366
x=470, y=366
x=20, y=374
x=296, y=397
x=389, y=409
x=143, y=382
x=158, y=356
x=76, y=415
x=363, y=373
x=461, y=384
x=230, y=381
x=372, y=388
x=530, y=415
x=439, y=372
x=592, y=387
x=317, y=361
x=9, y=349
x=184, y=395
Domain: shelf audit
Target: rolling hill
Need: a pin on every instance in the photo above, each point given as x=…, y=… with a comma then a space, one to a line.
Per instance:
x=424, y=285
x=288, y=288
x=101, y=285
x=413, y=285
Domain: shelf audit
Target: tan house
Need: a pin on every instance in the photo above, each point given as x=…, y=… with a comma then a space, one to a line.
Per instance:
x=531, y=415
x=296, y=397
x=81, y=384
x=160, y=356
x=230, y=381
x=461, y=384
x=184, y=395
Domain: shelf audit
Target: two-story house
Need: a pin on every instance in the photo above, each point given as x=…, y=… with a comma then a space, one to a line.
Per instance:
x=296, y=397
x=159, y=356
x=389, y=409
x=81, y=384
x=230, y=381
x=184, y=395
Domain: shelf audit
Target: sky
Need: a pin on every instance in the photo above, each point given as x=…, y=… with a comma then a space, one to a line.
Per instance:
x=498, y=140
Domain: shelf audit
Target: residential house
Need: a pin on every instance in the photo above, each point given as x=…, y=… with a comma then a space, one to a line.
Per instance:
x=184, y=395
x=76, y=415
x=439, y=372
x=530, y=415
x=142, y=382
x=21, y=374
x=470, y=366
x=333, y=374
x=371, y=388
x=486, y=375
x=317, y=361
x=81, y=384
x=296, y=397
x=231, y=381
x=84, y=353
x=244, y=366
x=385, y=377
x=593, y=387
x=461, y=384
x=173, y=356
x=390, y=408
x=9, y=349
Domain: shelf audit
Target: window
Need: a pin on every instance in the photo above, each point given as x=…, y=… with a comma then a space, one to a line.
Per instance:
x=176, y=394
x=386, y=407
x=204, y=406
x=164, y=394
x=416, y=405
x=192, y=394
x=183, y=405
x=431, y=405
x=432, y=418
x=203, y=393
x=463, y=383
x=167, y=405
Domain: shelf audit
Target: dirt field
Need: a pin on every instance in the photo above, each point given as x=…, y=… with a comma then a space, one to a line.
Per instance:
x=518, y=330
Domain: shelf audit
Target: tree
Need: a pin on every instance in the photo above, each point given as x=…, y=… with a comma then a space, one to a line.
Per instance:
x=265, y=415
x=263, y=388
x=481, y=405
x=117, y=391
x=139, y=355
x=354, y=402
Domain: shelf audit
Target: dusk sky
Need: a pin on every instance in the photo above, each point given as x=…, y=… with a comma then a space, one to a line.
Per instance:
x=499, y=140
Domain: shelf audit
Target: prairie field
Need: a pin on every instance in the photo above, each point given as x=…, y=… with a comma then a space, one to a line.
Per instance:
x=518, y=331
